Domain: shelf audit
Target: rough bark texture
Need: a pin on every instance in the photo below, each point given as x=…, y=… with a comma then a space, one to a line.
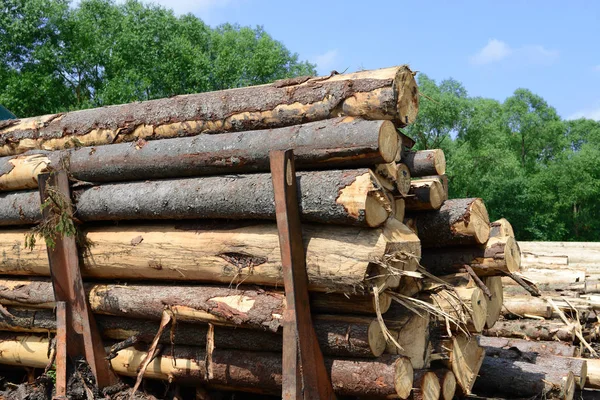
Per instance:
x=457, y=222
x=339, y=259
x=533, y=329
x=425, y=162
x=336, y=143
x=353, y=337
x=498, y=256
x=528, y=346
x=511, y=372
x=389, y=94
x=425, y=194
x=257, y=372
x=348, y=197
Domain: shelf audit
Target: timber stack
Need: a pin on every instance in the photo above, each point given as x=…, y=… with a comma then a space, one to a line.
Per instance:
x=174, y=215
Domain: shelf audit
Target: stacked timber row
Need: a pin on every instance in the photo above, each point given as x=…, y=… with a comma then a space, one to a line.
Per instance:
x=175, y=214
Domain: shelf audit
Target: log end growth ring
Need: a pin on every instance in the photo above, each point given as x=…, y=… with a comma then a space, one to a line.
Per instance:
x=512, y=255
x=403, y=381
x=389, y=141
x=479, y=306
x=494, y=305
x=430, y=387
x=439, y=162
x=376, y=339
x=403, y=179
x=406, y=86
x=448, y=386
x=477, y=224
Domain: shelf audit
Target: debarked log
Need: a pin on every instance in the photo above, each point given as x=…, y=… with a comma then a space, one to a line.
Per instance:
x=336, y=143
x=259, y=372
x=347, y=197
x=337, y=335
x=339, y=259
x=388, y=94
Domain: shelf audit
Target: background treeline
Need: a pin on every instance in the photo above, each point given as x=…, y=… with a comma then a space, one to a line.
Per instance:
x=529, y=165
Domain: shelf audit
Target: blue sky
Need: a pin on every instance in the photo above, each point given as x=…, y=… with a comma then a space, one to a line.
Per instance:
x=492, y=47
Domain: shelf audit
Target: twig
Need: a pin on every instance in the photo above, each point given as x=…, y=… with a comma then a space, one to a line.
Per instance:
x=578, y=333
x=529, y=286
x=130, y=341
x=386, y=333
x=478, y=281
x=210, y=347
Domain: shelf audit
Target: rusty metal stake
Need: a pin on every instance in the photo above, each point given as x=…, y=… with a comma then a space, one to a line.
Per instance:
x=61, y=350
x=82, y=335
x=304, y=372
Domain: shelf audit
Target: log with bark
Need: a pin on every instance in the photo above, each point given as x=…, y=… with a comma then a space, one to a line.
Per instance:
x=394, y=177
x=384, y=94
x=512, y=372
x=411, y=332
x=497, y=257
x=533, y=329
x=529, y=346
x=457, y=222
x=426, y=386
x=385, y=377
x=501, y=228
x=336, y=143
x=425, y=162
x=339, y=259
x=348, y=197
x=443, y=179
x=424, y=195
x=341, y=336
x=494, y=303
x=463, y=356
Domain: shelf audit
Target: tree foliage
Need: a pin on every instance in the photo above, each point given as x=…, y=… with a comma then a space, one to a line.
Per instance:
x=55, y=56
x=540, y=172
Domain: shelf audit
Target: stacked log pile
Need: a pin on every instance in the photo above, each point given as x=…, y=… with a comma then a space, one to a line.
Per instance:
x=175, y=214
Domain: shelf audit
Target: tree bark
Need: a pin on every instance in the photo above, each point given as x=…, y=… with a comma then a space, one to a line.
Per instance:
x=339, y=259
x=425, y=162
x=388, y=94
x=426, y=386
x=496, y=257
x=425, y=195
x=512, y=372
x=528, y=346
x=387, y=376
x=336, y=143
x=457, y=222
x=533, y=329
x=347, y=197
x=337, y=336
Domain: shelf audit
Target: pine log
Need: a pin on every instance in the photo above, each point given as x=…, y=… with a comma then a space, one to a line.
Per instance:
x=424, y=195
x=533, y=329
x=525, y=306
x=426, y=386
x=387, y=376
x=349, y=197
x=388, y=94
x=457, y=222
x=582, y=254
x=528, y=346
x=336, y=143
x=593, y=374
x=447, y=383
x=512, y=372
x=501, y=228
x=425, y=162
x=496, y=257
x=552, y=279
x=337, y=336
x=411, y=332
x=394, y=177
x=495, y=303
x=464, y=357
x=443, y=179
x=403, y=179
x=339, y=259
x=399, y=208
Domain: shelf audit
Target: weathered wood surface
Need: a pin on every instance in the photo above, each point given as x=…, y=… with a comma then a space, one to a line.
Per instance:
x=495, y=303
x=411, y=332
x=339, y=259
x=338, y=336
x=426, y=386
x=464, y=357
x=533, y=329
x=447, y=383
x=496, y=257
x=385, y=377
x=348, y=197
x=336, y=143
x=425, y=162
x=531, y=346
x=457, y=222
x=424, y=195
x=388, y=94
x=512, y=372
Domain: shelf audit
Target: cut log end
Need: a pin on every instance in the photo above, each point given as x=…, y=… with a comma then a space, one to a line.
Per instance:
x=439, y=162
x=501, y=228
x=582, y=378
x=377, y=209
x=426, y=386
x=479, y=308
x=568, y=392
x=426, y=194
x=512, y=255
x=494, y=305
x=389, y=141
x=403, y=179
x=399, y=209
x=408, y=95
x=477, y=224
x=376, y=338
x=403, y=381
x=447, y=384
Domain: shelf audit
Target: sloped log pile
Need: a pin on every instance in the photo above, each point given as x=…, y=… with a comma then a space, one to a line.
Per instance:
x=175, y=214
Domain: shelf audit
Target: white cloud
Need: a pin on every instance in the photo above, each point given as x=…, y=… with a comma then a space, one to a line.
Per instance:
x=589, y=113
x=326, y=61
x=496, y=50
